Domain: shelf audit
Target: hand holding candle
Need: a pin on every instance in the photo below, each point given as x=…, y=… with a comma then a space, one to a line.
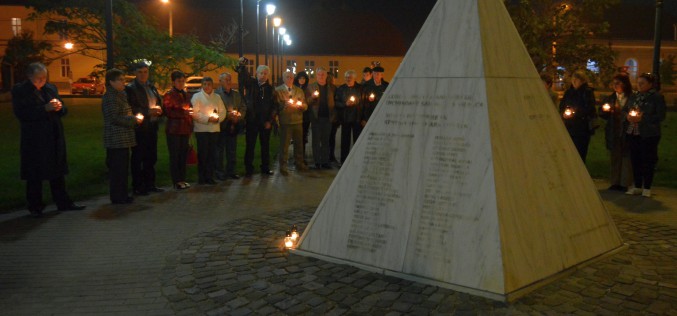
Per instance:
x=56, y=104
x=139, y=118
x=606, y=107
x=372, y=97
x=155, y=110
x=299, y=103
x=568, y=113
x=214, y=117
x=291, y=101
x=634, y=116
x=316, y=94
x=351, y=100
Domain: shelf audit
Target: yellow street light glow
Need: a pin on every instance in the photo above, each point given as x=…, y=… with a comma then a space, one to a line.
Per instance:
x=277, y=21
x=283, y=31
x=164, y=1
x=68, y=45
x=270, y=9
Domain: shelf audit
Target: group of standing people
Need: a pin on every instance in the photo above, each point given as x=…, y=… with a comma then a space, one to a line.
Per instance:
x=632, y=131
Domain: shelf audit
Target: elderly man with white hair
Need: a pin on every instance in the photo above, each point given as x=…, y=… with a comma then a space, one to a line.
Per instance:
x=291, y=103
x=260, y=116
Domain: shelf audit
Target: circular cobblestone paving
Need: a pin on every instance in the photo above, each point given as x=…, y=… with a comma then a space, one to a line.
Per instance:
x=241, y=268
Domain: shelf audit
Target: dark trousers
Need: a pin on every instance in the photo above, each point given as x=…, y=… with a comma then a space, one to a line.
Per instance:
x=306, y=131
x=289, y=132
x=347, y=130
x=177, y=145
x=59, y=195
x=227, y=144
x=253, y=131
x=118, y=171
x=644, y=156
x=144, y=157
x=321, y=130
x=332, y=140
x=581, y=142
x=206, y=152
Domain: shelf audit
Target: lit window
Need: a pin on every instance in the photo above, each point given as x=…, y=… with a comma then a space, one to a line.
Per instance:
x=65, y=67
x=16, y=26
x=310, y=67
x=334, y=68
x=291, y=65
x=632, y=66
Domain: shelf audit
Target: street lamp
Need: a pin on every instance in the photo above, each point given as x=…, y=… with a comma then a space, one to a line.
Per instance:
x=270, y=10
x=68, y=45
x=169, y=4
x=280, y=43
x=277, y=21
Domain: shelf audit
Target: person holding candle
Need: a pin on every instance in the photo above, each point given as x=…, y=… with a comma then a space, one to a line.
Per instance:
x=38, y=107
x=302, y=80
x=349, y=100
x=291, y=104
x=373, y=91
x=144, y=98
x=178, y=110
x=118, y=135
x=620, y=175
x=643, y=114
x=208, y=113
x=260, y=116
x=320, y=97
x=230, y=127
x=577, y=108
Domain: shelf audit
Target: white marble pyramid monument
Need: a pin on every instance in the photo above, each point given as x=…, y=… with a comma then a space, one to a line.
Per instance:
x=465, y=176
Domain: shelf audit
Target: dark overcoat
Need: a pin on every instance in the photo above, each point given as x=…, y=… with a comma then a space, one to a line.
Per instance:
x=43, y=145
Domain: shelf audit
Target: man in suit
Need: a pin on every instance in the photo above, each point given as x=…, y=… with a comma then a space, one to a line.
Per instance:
x=230, y=128
x=144, y=98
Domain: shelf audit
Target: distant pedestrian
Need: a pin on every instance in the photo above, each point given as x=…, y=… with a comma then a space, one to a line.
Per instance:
x=118, y=135
x=37, y=105
x=178, y=129
x=643, y=116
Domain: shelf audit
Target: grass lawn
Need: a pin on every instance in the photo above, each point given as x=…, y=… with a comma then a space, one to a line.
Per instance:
x=86, y=155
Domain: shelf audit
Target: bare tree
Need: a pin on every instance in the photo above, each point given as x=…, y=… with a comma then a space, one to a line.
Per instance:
x=228, y=35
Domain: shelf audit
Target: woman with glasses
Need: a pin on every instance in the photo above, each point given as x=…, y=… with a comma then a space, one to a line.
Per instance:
x=620, y=175
x=643, y=115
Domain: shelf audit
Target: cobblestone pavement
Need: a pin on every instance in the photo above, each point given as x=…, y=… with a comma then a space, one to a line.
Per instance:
x=217, y=250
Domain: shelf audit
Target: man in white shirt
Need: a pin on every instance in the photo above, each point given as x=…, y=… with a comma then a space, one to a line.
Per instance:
x=208, y=113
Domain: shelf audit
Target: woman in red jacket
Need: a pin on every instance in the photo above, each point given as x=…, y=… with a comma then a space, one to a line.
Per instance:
x=178, y=129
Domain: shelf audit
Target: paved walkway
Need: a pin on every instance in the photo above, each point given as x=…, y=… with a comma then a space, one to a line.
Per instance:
x=217, y=250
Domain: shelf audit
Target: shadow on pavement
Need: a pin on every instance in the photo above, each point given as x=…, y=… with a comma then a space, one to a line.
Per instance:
x=16, y=228
x=111, y=212
x=633, y=203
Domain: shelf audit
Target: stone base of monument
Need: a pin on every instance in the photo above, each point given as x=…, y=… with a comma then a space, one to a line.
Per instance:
x=503, y=297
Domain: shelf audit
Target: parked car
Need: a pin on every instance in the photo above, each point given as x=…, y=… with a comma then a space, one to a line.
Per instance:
x=87, y=86
x=193, y=84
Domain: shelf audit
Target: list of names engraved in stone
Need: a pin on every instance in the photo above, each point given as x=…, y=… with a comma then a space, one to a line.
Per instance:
x=375, y=194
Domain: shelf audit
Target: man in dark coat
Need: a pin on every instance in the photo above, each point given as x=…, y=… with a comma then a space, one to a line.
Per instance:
x=373, y=91
x=39, y=109
x=144, y=98
x=260, y=116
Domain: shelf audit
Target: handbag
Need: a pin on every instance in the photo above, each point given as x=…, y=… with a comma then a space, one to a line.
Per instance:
x=191, y=156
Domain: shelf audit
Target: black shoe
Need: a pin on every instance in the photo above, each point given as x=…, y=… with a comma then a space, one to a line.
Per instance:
x=210, y=182
x=617, y=187
x=140, y=192
x=128, y=200
x=35, y=213
x=326, y=166
x=72, y=207
x=267, y=173
x=234, y=176
x=156, y=190
x=221, y=178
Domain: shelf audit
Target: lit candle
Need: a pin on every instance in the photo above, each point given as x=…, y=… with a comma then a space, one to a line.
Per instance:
x=299, y=103
x=568, y=112
x=214, y=115
x=291, y=101
x=633, y=113
x=294, y=232
x=288, y=241
x=372, y=97
x=352, y=98
x=139, y=116
x=316, y=93
x=606, y=107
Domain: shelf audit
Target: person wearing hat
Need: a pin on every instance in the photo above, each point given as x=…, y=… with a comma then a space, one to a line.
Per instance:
x=372, y=92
